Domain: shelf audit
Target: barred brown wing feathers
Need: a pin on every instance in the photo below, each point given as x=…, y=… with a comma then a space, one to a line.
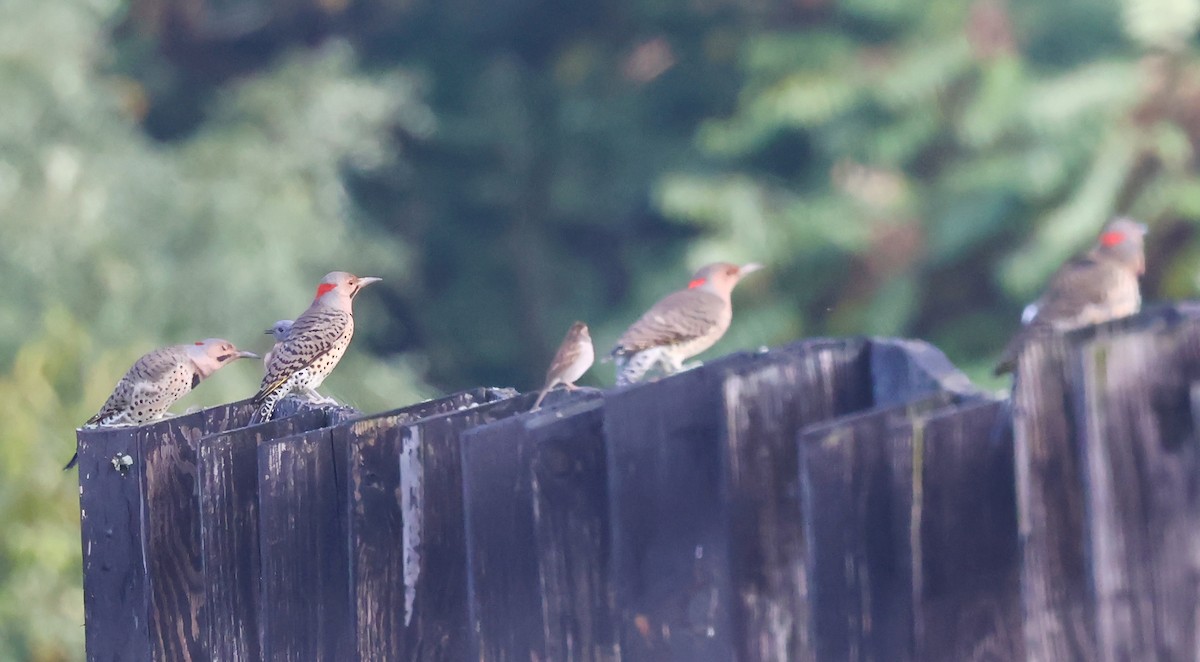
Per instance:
x=1080, y=293
x=117, y=401
x=151, y=367
x=677, y=318
x=313, y=335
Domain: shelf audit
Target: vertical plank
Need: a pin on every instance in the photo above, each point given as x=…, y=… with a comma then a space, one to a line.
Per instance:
x=172, y=516
x=438, y=629
x=228, y=470
x=670, y=518
x=115, y=586
x=856, y=498
x=153, y=509
x=765, y=405
x=1141, y=462
x=966, y=566
x=380, y=480
x=1058, y=622
x=410, y=582
x=537, y=536
x=304, y=577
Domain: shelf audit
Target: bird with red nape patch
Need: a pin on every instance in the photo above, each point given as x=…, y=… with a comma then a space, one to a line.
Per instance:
x=681, y=325
x=313, y=345
x=161, y=377
x=1094, y=287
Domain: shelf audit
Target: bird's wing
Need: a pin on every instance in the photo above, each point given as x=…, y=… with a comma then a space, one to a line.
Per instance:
x=117, y=401
x=145, y=373
x=312, y=336
x=678, y=317
x=1076, y=296
x=1081, y=286
x=568, y=353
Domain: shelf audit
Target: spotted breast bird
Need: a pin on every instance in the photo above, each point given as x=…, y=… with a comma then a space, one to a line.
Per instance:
x=159, y=378
x=314, y=345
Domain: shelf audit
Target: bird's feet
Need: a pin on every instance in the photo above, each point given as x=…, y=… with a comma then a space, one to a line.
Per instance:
x=316, y=398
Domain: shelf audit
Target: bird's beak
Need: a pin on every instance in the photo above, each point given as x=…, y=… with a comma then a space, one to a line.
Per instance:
x=749, y=269
x=269, y=332
x=248, y=355
x=363, y=282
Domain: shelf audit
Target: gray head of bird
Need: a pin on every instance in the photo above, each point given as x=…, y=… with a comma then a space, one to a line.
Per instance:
x=342, y=286
x=211, y=354
x=280, y=330
x=1124, y=241
x=721, y=277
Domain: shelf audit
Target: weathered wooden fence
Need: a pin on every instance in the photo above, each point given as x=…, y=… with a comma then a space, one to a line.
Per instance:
x=830, y=500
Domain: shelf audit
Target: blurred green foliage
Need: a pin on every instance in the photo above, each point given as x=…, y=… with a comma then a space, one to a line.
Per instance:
x=177, y=169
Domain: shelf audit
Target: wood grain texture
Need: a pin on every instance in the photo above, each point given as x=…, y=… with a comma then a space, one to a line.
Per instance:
x=375, y=522
x=229, y=519
x=157, y=591
x=425, y=616
x=439, y=624
x=765, y=404
x=856, y=480
x=966, y=573
x=670, y=518
x=115, y=586
x=1058, y=624
x=537, y=536
x=1140, y=463
x=304, y=589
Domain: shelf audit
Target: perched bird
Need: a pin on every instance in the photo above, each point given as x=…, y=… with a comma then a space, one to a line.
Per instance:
x=161, y=377
x=314, y=345
x=574, y=357
x=681, y=325
x=280, y=331
x=1097, y=286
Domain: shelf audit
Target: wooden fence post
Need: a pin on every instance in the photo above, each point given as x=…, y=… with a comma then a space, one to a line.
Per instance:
x=1141, y=467
x=764, y=404
x=433, y=555
x=377, y=486
x=140, y=522
x=229, y=526
x=857, y=500
x=537, y=535
x=1058, y=624
x=966, y=572
x=304, y=590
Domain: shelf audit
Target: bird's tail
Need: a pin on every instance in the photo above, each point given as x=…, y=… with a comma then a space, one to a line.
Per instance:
x=1028, y=333
x=631, y=368
x=265, y=400
x=260, y=397
x=73, y=462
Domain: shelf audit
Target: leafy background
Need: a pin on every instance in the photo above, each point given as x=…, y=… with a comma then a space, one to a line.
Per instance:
x=176, y=169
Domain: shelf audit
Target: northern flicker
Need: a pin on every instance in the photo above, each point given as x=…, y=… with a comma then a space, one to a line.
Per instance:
x=1097, y=286
x=279, y=331
x=314, y=345
x=574, y=357
x=161, y=377
x=681, y=325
